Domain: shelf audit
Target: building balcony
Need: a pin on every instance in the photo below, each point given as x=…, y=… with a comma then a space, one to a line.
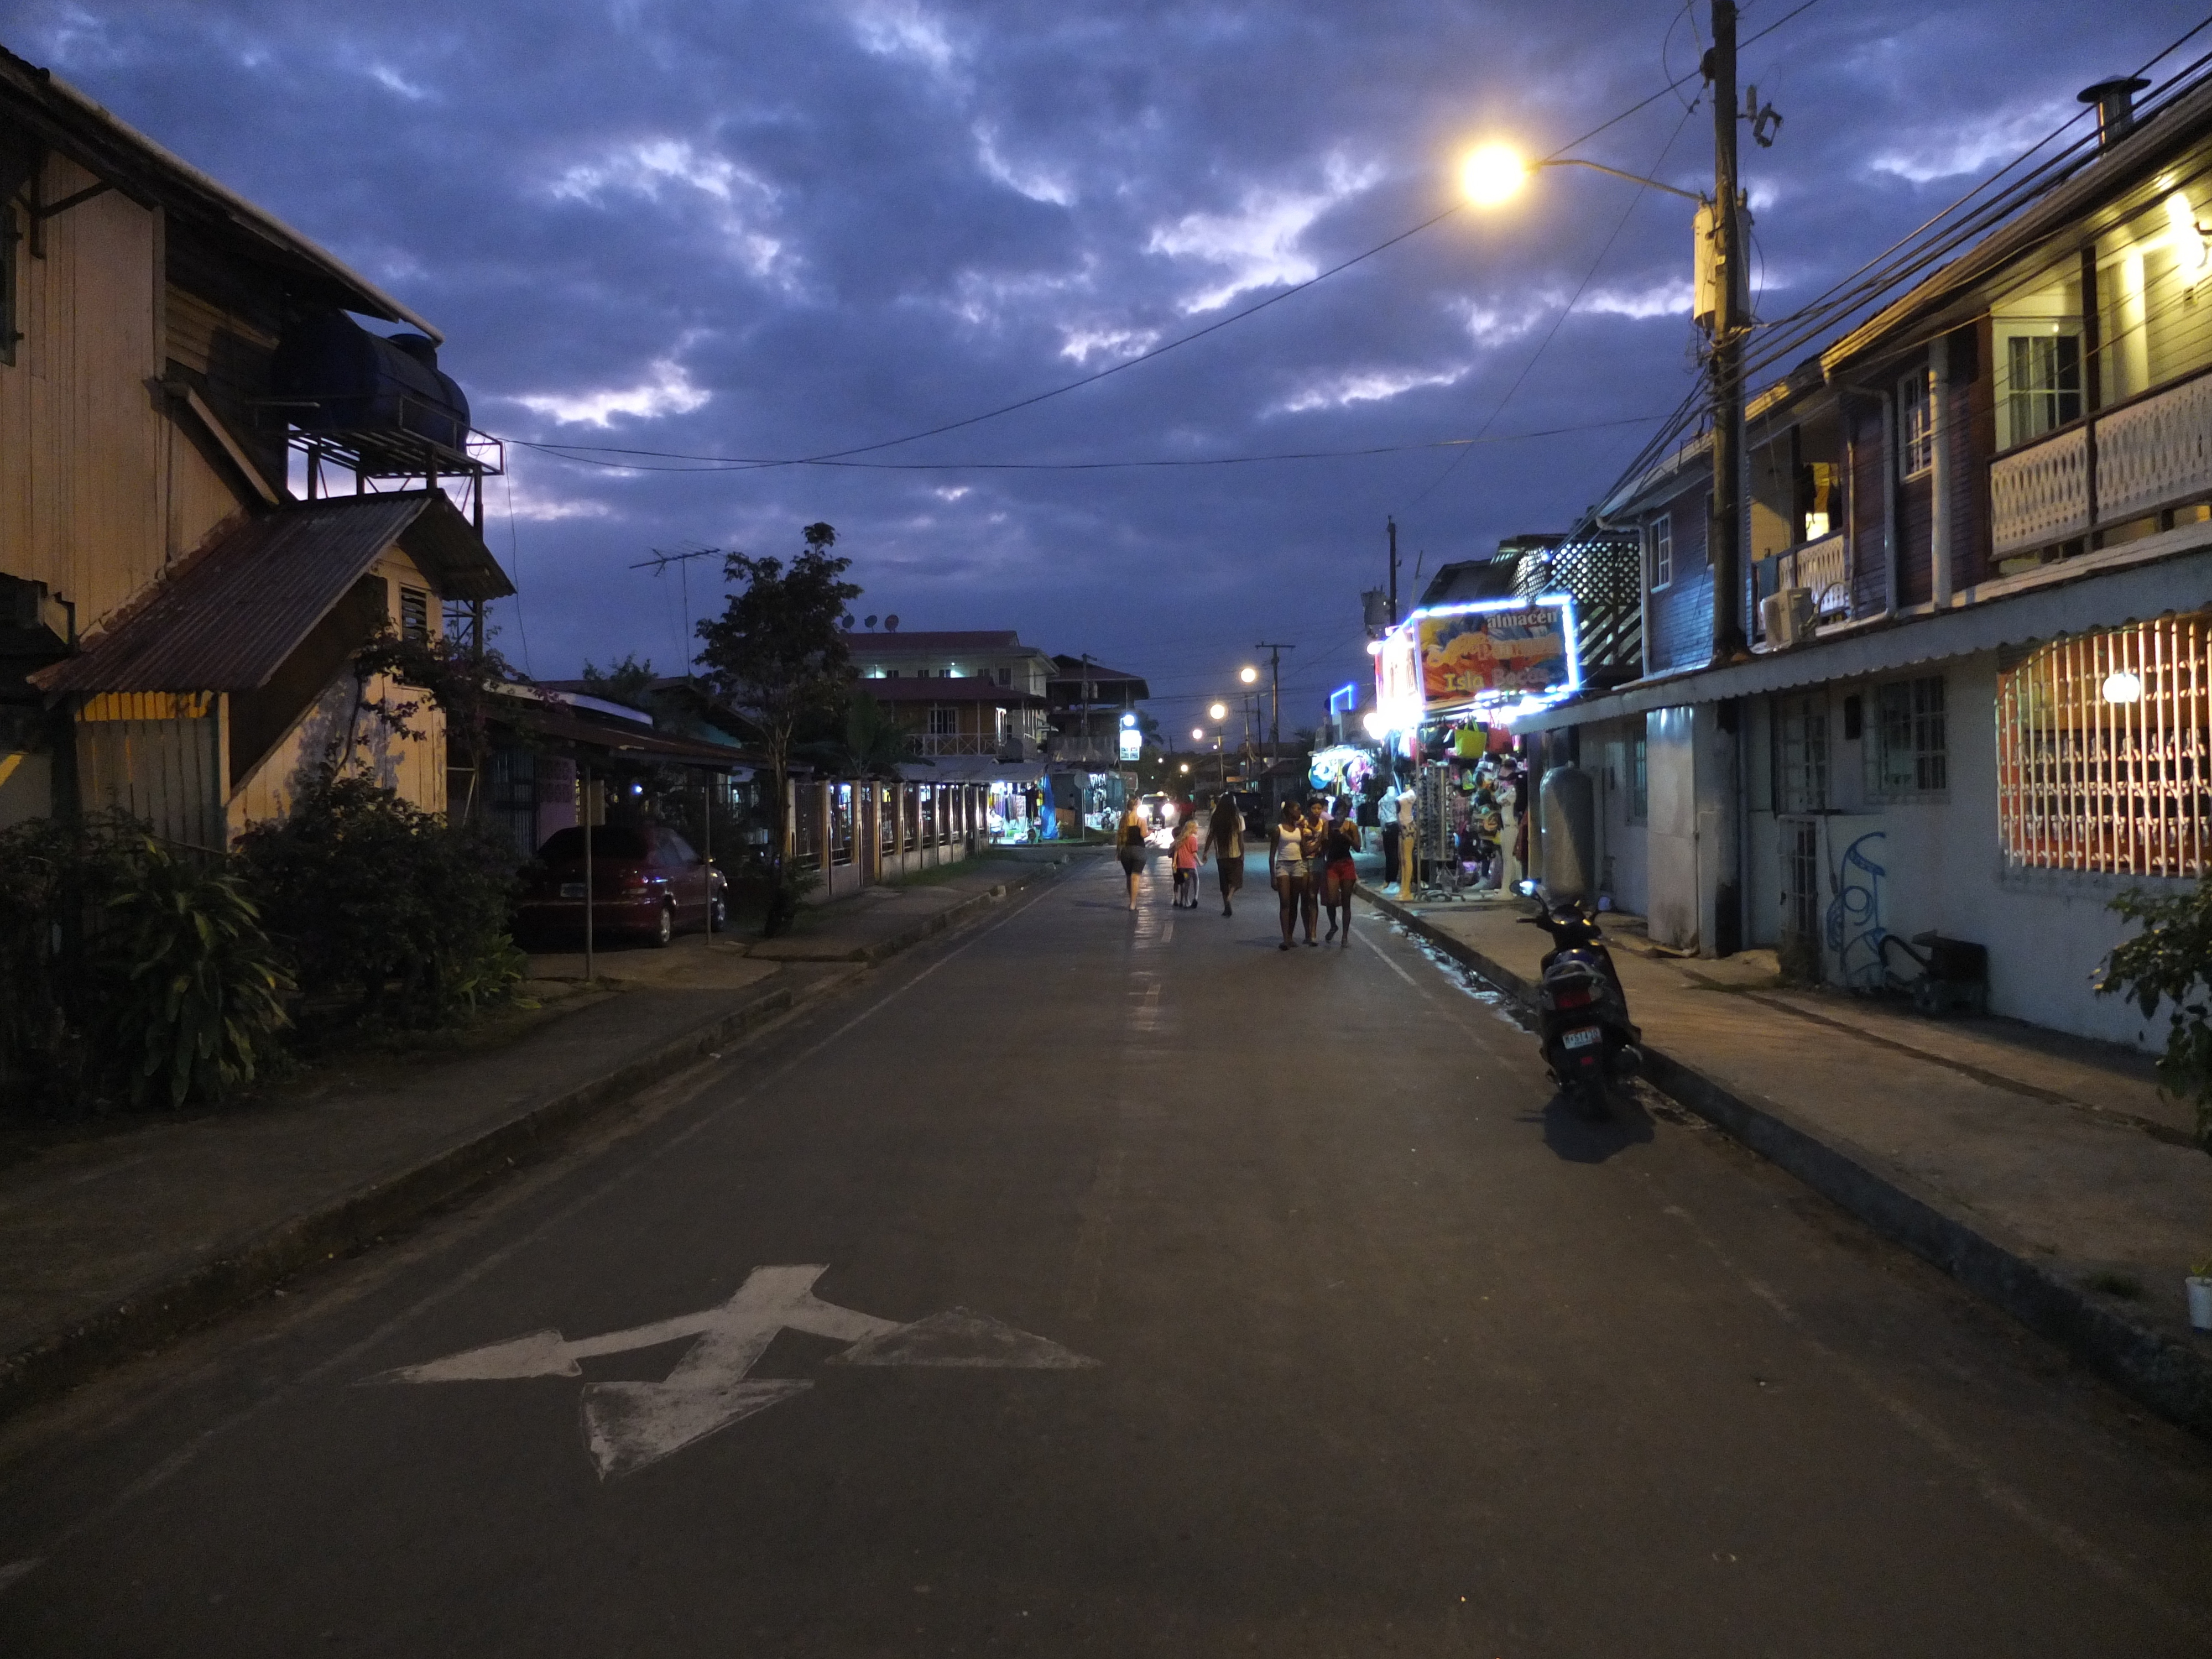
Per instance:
x=1822, y=566
x=2142, y=457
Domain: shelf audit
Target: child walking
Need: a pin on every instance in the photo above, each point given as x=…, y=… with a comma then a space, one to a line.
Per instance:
x=1186, y=866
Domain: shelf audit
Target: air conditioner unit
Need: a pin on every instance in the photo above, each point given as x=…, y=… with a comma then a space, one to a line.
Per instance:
x=1786, y=618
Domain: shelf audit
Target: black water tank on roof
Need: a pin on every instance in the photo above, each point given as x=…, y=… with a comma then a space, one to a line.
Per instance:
x=363, y=382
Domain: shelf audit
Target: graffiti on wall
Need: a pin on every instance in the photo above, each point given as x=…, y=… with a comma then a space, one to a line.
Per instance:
x=1854, y=932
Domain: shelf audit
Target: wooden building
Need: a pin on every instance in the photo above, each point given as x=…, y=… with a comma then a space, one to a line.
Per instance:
x=181, y=593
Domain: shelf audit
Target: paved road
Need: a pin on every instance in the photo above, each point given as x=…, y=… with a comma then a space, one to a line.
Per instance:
x=1392, y=1356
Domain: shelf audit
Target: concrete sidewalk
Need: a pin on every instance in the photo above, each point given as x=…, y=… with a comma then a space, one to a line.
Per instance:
x=2046, y=1172
x=114, y=1242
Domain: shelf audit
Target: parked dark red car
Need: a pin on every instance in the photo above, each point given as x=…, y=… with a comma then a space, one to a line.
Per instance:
x=645, y=880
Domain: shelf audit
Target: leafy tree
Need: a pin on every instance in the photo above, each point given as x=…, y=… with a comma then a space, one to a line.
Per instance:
x=776, y=656
x=2169, y=962
x=454, y=676
x=876, y=746
x=628, y=683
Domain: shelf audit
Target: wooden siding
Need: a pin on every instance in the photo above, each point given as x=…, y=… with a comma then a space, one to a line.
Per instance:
x=157, y=756
x=1682, y=611
x=1916, y=576
x=290, y=742
x=81, y=438
x=1868, y=487
x=1973, y=432
x=226, y=359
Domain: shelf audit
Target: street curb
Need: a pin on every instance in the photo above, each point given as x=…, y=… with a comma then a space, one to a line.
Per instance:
x=158, y=1313
x=2170, y=1377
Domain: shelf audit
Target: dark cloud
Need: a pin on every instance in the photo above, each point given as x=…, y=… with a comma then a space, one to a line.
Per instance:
x=762, y=229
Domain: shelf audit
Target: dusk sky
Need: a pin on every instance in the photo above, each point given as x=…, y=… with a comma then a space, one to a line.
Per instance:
x=772, y=231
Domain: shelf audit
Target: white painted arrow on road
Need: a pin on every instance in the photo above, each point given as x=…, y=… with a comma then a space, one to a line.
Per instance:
x=628, y=1425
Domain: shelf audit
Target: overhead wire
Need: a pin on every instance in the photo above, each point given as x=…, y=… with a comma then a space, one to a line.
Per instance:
x=1926, y=244
x=578, y=452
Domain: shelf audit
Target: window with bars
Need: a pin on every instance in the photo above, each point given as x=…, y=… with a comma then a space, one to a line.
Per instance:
x=1801, y=754
x=943, y=722
x=1909, y=755
x=415, y=614
x=1915, y=423
x=2102, y=742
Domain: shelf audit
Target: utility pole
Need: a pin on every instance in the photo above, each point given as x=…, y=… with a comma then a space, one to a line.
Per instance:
x=1730, y=302
x=1392, y=523
x=1275, y=705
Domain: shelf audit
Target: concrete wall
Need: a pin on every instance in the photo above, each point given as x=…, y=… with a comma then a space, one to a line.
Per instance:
x=1933, y=864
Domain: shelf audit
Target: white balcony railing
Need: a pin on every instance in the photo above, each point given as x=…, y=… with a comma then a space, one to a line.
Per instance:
x=2041, y=494
x=2156, y=452
x=1822, y=567
x=2149, y=453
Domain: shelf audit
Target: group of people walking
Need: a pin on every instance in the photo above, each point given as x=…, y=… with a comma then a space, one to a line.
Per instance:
x=1310, y=862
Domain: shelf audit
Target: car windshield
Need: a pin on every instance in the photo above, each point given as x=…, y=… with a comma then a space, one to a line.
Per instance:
x=607, y=842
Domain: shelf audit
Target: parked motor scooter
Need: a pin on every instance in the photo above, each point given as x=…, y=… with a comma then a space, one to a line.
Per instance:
x=1582, y=1012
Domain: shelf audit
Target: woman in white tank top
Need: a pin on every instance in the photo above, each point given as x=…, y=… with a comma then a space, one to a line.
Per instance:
x=1287, y=855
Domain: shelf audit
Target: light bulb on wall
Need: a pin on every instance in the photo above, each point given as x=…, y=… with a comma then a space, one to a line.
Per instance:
x=2120, y=686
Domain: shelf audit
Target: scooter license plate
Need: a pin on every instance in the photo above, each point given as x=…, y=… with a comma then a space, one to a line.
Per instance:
x=1588, y=1037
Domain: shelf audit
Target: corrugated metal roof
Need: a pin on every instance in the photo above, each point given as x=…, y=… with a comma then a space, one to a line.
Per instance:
x=228, y=618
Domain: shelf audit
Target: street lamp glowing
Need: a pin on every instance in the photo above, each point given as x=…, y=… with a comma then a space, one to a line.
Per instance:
x=1198, y=732
x=1219, y=711
x=1249, y=675
x=1492, y=174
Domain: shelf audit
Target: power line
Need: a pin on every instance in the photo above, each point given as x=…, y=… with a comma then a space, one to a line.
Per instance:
x=1220, y=324
x=742, y=464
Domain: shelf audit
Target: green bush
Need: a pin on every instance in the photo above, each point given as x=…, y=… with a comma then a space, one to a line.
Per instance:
x=56, y=878
x=126, y=972
x=196, y=991
x=2169, y=962
x=372, y=895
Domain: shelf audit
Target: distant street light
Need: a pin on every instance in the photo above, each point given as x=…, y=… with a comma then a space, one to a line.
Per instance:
x=1249, y=675
x=1198, y=732
x=1219, y=711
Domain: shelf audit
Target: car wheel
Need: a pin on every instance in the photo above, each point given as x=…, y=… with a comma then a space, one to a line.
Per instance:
x=664, y=930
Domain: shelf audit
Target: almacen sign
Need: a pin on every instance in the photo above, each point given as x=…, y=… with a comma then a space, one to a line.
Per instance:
x=1496, y=649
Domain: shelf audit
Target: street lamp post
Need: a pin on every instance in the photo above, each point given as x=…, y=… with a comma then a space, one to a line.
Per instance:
x=1494, y=173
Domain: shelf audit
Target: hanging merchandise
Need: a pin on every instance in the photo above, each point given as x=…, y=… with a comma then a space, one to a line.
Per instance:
x=1470, y=742
x=1342, y=769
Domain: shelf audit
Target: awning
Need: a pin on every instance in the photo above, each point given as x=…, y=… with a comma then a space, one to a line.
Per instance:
x=975, y=769
x=2131, y=583
x=559, y=726
x=228, y=617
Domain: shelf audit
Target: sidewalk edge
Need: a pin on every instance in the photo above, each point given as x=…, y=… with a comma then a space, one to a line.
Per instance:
x=2168, y=1376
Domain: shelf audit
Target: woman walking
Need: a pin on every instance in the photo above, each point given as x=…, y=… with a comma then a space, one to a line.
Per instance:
x=1286, y=854
x=1338, y=874
x=1225, y=836
x=1131, y=850
x=1315, y=831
